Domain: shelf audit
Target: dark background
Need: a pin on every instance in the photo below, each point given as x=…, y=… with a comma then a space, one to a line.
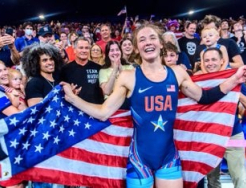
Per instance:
x=18, y=11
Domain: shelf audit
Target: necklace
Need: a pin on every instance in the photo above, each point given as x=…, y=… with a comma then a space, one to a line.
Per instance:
x=52, y=84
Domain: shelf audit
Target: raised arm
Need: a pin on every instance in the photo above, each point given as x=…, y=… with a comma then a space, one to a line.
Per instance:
x=107, y=83
x=202, y=63
x=104, y=111
x=190, y=89
x=225, y=57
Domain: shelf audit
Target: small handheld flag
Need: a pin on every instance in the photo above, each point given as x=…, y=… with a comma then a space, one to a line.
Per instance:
x=123, y=11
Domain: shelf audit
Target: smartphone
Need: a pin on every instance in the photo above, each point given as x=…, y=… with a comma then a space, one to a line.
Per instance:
x=9, y=31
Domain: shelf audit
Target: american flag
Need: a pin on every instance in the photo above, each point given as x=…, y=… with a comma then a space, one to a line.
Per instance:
x=4, y=101
x=97, y=162
x=122, y=11
x=201, y=133
x=151, y=16
x=43, y=131
x=171, y=88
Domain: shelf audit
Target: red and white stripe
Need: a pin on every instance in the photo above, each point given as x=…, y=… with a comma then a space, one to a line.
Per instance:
x=99, y=161
x=201, y=134
x=202, y=131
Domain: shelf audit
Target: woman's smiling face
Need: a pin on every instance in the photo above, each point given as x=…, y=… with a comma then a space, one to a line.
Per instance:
x=148, y=43
x=3, y=74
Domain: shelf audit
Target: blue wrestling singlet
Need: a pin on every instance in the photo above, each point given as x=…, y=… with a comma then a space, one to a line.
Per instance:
x=153, y=108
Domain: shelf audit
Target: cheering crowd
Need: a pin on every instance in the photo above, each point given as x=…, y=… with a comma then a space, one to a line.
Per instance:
x=104, y=67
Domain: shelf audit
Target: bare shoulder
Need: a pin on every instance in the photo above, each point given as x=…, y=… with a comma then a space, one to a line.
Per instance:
x=198, y=72
x=127, y=79
x=180, y=74
x=127, y=76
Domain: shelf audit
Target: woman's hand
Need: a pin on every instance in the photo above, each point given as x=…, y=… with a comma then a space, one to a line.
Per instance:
x=120, y=67
x=68, y=89
x=75, y=89
x=197, y=66
x=240, y=75
x=116, y=63
x=13, y=97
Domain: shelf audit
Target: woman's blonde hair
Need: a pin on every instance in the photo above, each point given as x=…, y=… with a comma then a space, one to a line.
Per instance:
x=159, y=34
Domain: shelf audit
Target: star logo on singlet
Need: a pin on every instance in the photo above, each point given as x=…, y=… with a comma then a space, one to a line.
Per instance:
x=159, y=124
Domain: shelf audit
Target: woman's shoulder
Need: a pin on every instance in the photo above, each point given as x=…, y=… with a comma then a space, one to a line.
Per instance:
x=127, y=67
x=128, y=72
x=106, y=70
x=178, y=70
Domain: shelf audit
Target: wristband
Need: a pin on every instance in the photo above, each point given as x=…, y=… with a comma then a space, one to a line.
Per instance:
x=212, y=95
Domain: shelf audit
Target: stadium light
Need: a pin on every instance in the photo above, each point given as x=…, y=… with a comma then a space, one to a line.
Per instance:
x=41, y=17
x=191, y=12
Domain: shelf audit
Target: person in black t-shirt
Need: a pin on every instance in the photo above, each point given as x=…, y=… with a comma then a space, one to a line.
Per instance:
x=189, y=43
x=42, y=61
x=42, y=65
x=84, y=73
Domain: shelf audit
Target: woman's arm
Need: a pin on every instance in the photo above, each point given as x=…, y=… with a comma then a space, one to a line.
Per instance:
x=10, y=110
x=225, y=57
x=104, y=111
x=107, y=85
x=33, y=101
x=192, y=90
x=202, y=63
